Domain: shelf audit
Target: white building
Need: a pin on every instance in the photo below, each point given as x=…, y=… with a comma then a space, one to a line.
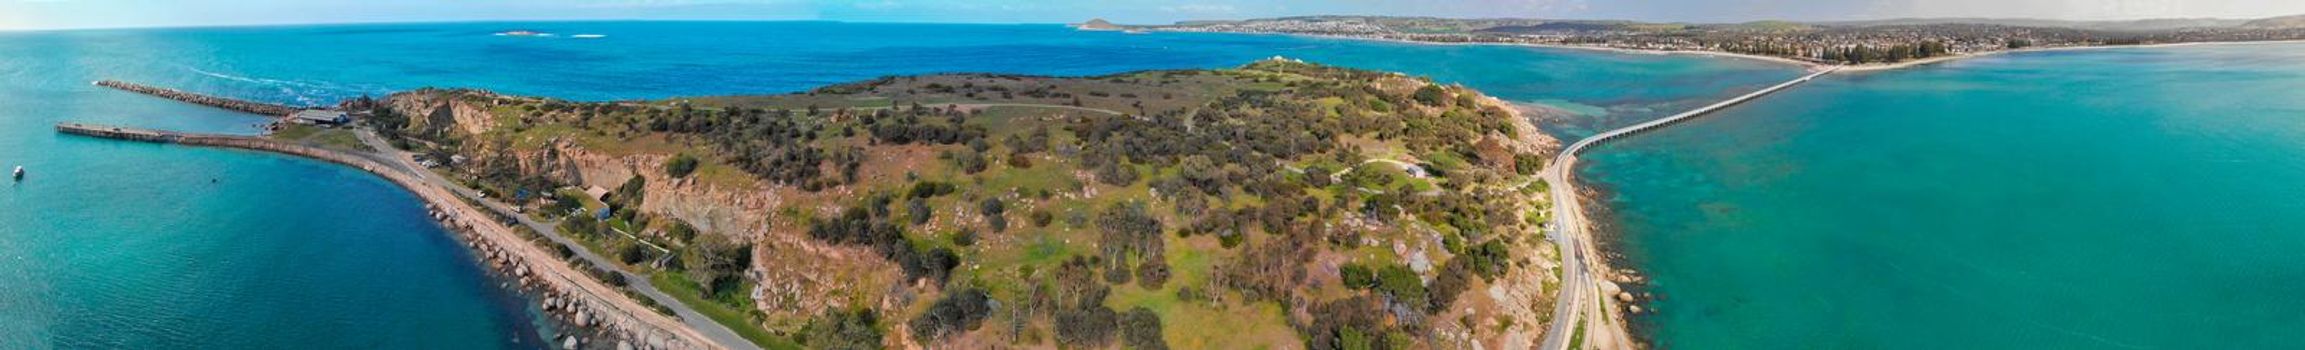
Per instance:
x=320, y=117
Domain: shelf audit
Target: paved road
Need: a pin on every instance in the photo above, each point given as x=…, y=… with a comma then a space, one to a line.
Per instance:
x=714, y=330
x=1582, y=295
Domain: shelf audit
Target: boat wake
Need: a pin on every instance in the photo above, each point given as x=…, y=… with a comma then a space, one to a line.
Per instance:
x=299, y=92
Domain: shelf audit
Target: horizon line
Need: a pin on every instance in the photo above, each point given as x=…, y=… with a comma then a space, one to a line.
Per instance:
x=876, y=21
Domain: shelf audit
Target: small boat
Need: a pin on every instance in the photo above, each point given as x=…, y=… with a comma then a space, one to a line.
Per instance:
x=19, y=173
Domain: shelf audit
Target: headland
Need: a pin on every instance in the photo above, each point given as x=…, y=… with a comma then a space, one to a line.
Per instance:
x=1101, y=210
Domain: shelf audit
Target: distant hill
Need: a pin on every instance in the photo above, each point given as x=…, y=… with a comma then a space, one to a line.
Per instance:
x=1098, y=24
x=1773, y=26
x=1557, y=27
x=2285, y=22
x=2122, y=25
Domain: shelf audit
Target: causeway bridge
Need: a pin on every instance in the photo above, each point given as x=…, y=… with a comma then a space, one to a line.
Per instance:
x=1582, y=309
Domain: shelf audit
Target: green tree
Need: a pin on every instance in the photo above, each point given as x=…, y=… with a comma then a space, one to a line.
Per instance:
x=718, y=264
x=854, y=329
x=1141, y=330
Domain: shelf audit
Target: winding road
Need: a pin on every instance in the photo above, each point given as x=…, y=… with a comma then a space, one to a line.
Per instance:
x=1583, y=295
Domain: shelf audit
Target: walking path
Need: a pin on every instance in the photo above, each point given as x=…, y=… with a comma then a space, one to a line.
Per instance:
x=1582, y=296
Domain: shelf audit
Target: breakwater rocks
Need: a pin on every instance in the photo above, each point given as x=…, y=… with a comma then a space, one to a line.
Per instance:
x=584, y=321
x=204, y=100
x=596, y=315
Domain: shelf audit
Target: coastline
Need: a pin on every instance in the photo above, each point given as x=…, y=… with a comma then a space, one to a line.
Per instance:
x=608, y=316
x=1944, y=59
x=1811, y=66
x=1806, y=65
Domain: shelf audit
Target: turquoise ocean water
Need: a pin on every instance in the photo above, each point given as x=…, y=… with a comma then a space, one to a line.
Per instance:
x=123, y=245
x=2103, y=199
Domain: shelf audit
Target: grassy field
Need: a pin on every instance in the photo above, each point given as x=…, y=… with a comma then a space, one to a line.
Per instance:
x=325, y=137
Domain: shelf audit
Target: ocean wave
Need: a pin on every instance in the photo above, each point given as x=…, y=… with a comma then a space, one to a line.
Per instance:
x=237, y=78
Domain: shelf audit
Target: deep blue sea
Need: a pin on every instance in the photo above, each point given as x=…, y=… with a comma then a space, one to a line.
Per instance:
x=124, y=245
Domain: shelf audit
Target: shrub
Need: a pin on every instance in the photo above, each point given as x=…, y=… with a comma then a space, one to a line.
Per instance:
x=1141, y=330
x=918, y=210
x=680, y=231
x=1431, y=95
x=633, y=253
x=954, y=314
x=1455, y=276
x=1357, y=276
x=718, y=264
x=1086, y=327
x=996, y=214
x=681, y=165
x=856, y=329
x=1402, y=284
x=1041, y=218
x=1153, y=273
x=964, y=238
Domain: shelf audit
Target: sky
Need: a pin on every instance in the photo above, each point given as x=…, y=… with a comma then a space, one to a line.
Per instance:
x=65, y=14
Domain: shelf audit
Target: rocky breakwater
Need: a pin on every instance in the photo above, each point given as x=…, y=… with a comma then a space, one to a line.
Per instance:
x=204, y=100
x=598, y=316
x=584, y=320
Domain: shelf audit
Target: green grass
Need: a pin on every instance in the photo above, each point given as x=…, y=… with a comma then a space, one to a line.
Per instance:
x=295, y=132
x=1577, y=338
x=338, y=139
x=732, y=316
x=331, y=138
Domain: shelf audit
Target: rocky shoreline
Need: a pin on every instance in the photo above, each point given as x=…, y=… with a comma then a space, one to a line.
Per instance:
x=579, y=321
x=591, y=313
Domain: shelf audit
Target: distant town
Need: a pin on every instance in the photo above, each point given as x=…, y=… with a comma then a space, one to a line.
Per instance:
x=1866, y=42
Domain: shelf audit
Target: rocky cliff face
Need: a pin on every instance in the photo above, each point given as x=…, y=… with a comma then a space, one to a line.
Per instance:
x=433, y=110
x=797, y=277
x=740, y=212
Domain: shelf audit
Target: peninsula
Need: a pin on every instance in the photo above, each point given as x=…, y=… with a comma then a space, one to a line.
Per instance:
x=1281, y=204
x=1860, y=45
